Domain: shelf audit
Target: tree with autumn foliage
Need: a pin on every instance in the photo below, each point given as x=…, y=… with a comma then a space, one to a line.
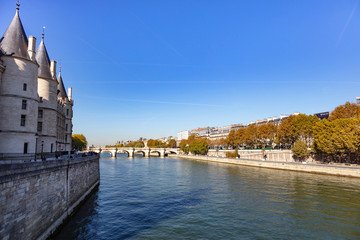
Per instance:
x=137, y=144
x=337, y=136
x=250, y=137
x=232, y=140
x=266, y=134
x=284, y=133
x=348, y=110
x=338, y=139
x=151, y=143
x=302, y=128
x=172, y=143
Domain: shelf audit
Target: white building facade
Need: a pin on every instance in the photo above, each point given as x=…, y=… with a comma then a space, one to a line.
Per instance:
x=32, y=100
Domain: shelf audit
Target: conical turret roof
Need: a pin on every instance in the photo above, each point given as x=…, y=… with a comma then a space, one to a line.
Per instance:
x=14, y=41
x=42, y=58
x=61, y=89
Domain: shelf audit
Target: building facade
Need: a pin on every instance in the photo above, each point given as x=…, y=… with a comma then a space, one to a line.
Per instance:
x=35, y=110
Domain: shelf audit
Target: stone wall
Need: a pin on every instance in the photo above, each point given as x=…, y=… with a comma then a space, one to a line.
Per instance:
x=271, y=155
x=35, y=198
x=348, y=171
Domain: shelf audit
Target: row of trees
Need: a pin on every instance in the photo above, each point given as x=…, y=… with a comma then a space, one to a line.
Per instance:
x=160, y=144
x=152, y=143
x=334, y=139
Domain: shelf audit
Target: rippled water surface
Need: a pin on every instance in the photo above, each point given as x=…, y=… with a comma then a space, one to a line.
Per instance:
x=165, y=198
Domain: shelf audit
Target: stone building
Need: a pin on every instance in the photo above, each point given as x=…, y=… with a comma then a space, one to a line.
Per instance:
x=35, y=110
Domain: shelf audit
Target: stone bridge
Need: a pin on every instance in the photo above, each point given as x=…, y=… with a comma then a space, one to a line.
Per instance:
x=146, y=152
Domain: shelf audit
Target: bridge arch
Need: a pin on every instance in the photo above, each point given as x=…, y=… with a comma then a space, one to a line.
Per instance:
x=171, y=152
x=155, y=152
x=124, y=152
x=106, y=151
x=137, y=152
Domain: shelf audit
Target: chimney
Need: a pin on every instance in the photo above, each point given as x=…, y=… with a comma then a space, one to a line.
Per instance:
x=31, y=47
x=70, y=93
x=53, y=68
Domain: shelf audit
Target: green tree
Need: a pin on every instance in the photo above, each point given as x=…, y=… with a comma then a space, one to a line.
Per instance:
x=300, y=150
x=184, y=146
x=78, y=142
x=199, y=146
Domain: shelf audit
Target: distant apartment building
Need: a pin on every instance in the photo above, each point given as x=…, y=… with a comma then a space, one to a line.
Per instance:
x=183, y=135
x=222, y=132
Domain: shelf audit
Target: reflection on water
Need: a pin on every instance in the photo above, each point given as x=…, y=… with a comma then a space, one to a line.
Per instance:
x=163, y=198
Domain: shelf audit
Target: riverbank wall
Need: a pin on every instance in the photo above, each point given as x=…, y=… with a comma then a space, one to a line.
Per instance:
x=348, y=171
x=271, y=155
x=37, y=197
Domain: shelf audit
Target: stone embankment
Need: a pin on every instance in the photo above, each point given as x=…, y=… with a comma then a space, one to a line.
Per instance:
x=348, y=171
x=36, y=197
x=272, y=155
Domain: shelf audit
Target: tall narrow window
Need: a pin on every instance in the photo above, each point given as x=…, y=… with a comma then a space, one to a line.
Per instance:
x=40, y=113
x=67, y=112
x=39, y=126
x=22, y=121
x=25, y=87
x=41, y=99
x=26, y=147
x=23, y=106
x=66, y=128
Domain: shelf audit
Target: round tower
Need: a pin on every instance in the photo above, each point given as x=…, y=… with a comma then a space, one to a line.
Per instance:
x=47, y=90
x=18, y=90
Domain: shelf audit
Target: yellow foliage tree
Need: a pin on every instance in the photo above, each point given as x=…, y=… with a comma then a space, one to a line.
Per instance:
x=348, y=110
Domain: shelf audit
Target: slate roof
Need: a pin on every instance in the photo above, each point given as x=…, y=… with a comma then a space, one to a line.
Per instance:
x=14, y=42
x=42, y=58
x=61, y=89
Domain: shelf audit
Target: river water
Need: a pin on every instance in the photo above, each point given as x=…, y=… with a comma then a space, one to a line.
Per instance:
x=169, y=198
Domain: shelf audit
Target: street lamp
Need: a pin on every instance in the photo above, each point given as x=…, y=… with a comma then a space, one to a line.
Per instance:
x=42, y=151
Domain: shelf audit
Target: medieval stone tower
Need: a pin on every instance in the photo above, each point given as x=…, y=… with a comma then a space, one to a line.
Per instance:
x=35, y=111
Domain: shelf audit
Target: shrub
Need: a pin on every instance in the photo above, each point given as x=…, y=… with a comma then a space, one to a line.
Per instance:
x=233, y=154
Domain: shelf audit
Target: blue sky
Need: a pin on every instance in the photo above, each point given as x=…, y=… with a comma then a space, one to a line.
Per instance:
x=154, y=68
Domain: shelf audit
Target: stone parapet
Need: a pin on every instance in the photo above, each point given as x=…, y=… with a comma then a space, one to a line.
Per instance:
x=36, y=197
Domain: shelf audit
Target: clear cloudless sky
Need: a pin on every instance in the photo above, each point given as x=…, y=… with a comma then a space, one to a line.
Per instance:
x=143, y=68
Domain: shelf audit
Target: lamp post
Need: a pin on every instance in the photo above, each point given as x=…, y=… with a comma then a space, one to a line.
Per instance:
x=36, y=141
